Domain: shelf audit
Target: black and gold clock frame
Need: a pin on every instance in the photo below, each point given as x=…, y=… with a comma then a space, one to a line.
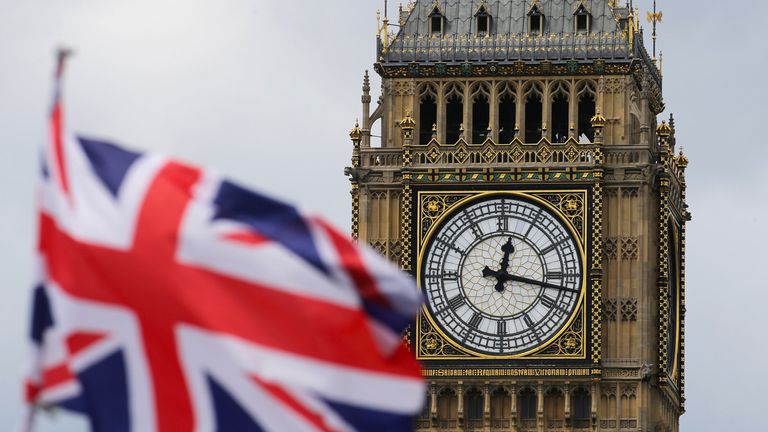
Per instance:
x=505, y=274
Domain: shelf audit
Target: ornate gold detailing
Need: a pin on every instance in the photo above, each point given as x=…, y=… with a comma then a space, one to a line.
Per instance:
x=681, y=160
x=597, y=272
x=511, y=373
x=571, y=343
x=434, y=207
x=664, y=130
x=517, y=69
x=598, y=121
x=408, y=122
x=355, y=210
x=654, y=18
x=356, y=133
x=664, y=239
x=571, y=153
x=682, y=314
x=570, y=206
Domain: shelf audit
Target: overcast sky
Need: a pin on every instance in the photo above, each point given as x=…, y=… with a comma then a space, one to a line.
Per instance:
x=266, y=91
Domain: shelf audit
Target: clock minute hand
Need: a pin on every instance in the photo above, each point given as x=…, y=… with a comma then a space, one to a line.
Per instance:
x=540, y=283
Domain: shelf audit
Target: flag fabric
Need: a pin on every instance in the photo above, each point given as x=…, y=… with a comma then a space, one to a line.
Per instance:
x=171, y=299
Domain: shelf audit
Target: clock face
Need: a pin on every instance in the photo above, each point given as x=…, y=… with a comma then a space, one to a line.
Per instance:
x=502, y=276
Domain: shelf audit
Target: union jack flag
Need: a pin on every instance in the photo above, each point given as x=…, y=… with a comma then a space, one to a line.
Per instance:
x=171, y=299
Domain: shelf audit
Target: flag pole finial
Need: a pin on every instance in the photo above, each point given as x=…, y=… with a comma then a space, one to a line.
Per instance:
x=62, y=54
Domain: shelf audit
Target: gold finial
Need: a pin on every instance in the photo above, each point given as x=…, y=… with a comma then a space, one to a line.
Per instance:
x=378, y=24
x=434, y=130
x=654, y=18
x=461, y=127
x=637, y=18
x=598, y=121
x=664, y=130
x=682, y=160
x=356, y=133
x=385, y=29
x=408, y=123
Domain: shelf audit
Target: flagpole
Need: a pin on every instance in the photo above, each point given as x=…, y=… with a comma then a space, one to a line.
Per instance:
x=29, y=420
x=62, y=54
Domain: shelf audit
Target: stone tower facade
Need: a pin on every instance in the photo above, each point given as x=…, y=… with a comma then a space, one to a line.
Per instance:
x=522, y=176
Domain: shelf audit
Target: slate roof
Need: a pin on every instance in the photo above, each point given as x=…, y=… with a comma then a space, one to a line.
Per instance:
x=509, y=39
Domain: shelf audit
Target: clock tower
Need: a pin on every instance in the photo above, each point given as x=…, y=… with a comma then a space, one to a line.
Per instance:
x=523, y=176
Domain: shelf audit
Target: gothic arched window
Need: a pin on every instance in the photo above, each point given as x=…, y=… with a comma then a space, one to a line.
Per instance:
x=473, y=408
x=535, y=21
x=581, y=407
x=587, y=108
x=483, y=21
x=481, y=114
x=554, y=409
x=447, y=409
x=427, y=114
x=507, y=113
x=533, y=113
x=436, y=22
x=454, y=114
x=582, y=19
x=501, y=409
x=526, y=404
x=560, y=111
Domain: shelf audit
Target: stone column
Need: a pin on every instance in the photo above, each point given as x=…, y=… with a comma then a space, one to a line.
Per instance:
x=460, y=394
x=366, y=99
x=513, y=408
x=540, y=407
x=487, y=406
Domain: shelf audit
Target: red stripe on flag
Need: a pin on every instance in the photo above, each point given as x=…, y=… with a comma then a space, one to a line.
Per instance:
x=352, y=262
x=80, y=341
x=57, y=375
x=246, y=237
x=296, y=406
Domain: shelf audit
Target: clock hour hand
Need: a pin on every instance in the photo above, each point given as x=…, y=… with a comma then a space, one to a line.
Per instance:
x=502, y=275
x=508, y=250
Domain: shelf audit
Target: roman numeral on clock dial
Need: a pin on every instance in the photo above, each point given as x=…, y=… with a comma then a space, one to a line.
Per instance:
x=548, y=301
x=475, y=321
x=501, y=328
x=528, y=321
x=456, y=302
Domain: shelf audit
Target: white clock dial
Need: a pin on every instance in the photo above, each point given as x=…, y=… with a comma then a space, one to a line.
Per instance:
x=502, y=276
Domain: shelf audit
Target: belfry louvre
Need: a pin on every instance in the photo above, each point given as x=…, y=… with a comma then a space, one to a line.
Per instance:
x=523, y=175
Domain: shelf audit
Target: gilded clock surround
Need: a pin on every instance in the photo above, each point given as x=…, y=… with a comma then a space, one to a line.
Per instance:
x=571, y=206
